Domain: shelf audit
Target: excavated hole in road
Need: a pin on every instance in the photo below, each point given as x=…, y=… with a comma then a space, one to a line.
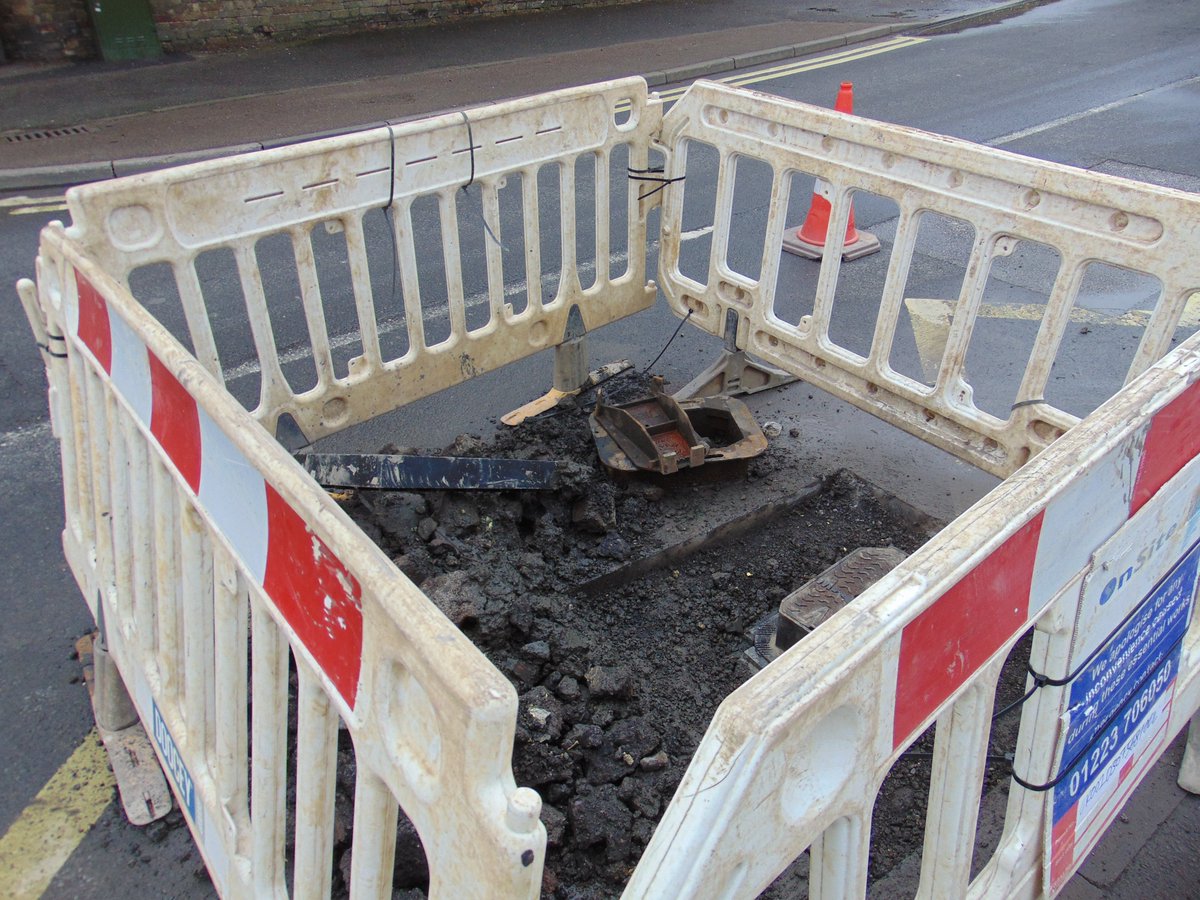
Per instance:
x=620, y=610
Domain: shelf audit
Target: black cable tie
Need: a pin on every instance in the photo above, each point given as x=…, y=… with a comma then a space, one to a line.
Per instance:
x=1039, y=788
x=387, y=218
x=488, y=228
x=1046, y=681
x=661, y=186
x=470, y=181
x=45, y=348
x=652, y=175
x=1016, y=704
x=56, y=337
x=1102, y=731
x=1033, y=402
x=470, y=147
x=1067, y=679
x=391, y=167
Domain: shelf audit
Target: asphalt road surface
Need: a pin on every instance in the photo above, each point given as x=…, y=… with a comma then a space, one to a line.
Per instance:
x=1110, y=86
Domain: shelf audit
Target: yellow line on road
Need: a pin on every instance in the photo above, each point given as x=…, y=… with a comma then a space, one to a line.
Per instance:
x=784, y=68
x=35, y=210
x=931, y=320
x=22, y=200
x=823, y=62
x=808, y=65
x=36, y=845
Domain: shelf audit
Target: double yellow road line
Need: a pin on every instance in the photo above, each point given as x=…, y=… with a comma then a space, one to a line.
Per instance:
x=796, y=67
x=32, y=206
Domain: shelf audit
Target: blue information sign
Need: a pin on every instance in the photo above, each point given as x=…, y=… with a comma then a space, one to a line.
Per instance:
x=1118, y=712
x=1131, y=655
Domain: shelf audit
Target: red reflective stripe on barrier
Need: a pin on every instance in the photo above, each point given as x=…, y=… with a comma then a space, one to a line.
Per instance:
x=1173, y=439
x=320, y=600
x=175, y=422
x=1062, y=844
x=947, y=643
x=94, y=330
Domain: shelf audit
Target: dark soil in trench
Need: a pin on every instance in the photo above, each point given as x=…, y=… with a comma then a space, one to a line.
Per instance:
x=618, y=681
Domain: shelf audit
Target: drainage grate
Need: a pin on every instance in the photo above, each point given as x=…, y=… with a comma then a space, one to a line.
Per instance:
x=46, y=133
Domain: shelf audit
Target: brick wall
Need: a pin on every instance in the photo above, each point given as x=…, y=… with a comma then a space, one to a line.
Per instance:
x=221, y=24
x=46, y=30
x=58, y=29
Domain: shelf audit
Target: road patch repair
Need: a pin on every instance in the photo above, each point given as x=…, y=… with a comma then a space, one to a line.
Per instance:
x=623, y=606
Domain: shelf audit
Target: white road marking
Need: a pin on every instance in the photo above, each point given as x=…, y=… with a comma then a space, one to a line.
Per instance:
x=1083, y=114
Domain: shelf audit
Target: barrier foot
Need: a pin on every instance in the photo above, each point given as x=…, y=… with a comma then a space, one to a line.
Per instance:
x=866, y=244
x=145, y=796
x=570, y=371
x=550, y=399
x=733, y=374
x=1189, y=769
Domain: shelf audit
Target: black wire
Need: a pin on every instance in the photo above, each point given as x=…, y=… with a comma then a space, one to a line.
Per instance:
x=652, y=175
x=678, y=328
x=387, y=216
x=45, y=348
x=551, y=413
x=558, y=411
x=603, y=381
x=1065, y=770
x=391, y=167
x=1063, y=682
x=1034, y=402
x=471, y=147
x=1040, y=680
x=1019, y=703
x=471, y=180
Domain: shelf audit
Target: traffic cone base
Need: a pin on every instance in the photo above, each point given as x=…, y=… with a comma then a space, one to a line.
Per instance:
x=810, y=238
x=866, y=244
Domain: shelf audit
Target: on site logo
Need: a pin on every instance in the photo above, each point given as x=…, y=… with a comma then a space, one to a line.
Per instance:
x=1144, y=556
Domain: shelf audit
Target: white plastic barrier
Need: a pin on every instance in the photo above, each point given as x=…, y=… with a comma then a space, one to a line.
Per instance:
x=1094, y=541
x=198, y=541
x=177, y=217
x=1072, y=543
x=1086, y=218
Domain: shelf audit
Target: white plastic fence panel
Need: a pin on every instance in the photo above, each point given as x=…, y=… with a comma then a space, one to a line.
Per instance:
x=175, y=217
x=795, y=757
x=198, y=540
x=1086, y=218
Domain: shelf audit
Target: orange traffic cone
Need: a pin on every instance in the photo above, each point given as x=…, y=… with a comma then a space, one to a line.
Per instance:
x=809, y=239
